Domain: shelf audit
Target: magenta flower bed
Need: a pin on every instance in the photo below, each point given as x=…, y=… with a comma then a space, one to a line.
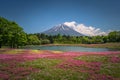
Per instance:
x=10, y=67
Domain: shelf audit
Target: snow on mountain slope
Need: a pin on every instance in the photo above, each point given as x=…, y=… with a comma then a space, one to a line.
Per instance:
x=74, y=29
x=63, y=30
x=81, y=28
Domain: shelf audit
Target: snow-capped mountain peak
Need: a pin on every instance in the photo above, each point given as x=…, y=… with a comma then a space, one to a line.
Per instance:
x=74, y=29
x=63, y=30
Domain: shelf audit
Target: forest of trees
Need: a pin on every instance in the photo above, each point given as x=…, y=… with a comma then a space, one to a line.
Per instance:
x=12, y=35
x=63, y=39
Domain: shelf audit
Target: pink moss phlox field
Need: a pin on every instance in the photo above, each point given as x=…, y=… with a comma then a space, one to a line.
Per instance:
x=71, y=64
x=94, y=66
x=4, y=76
x=115, y=59
x=11, y=63
x=11, y=66
x=89, y=67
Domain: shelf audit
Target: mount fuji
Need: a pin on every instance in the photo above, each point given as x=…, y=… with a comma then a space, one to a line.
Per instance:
x=74, y=29
x=63, y=30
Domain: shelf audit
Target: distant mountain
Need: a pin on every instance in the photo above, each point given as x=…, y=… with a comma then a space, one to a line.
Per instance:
x=63, y=30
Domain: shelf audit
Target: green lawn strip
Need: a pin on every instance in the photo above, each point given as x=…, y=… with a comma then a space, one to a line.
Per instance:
x=42, y=63
x=58, y=74
x=111, y=69
x=11, y=51
x=36, y=51
x=93, y=58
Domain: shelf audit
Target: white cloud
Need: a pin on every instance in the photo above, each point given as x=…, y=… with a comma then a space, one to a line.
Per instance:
x=86, y=30
x=70, y=23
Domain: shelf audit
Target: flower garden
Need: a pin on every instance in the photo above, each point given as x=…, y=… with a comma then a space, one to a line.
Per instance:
x=20, y=64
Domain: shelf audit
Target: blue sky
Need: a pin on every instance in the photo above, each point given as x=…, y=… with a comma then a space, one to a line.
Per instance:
x=40, y=15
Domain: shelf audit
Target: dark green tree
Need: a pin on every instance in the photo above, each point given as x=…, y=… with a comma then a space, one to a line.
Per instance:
x=33, y=39
x=114, y=36
x=11, y=34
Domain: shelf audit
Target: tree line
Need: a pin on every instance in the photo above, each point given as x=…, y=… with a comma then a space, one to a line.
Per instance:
x=12, y=35
x=64, y=39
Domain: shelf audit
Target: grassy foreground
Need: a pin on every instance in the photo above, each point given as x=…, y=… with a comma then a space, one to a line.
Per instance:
x=18, y=64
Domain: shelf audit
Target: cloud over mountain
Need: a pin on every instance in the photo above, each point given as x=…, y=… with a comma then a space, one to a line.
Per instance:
x=86, y=30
